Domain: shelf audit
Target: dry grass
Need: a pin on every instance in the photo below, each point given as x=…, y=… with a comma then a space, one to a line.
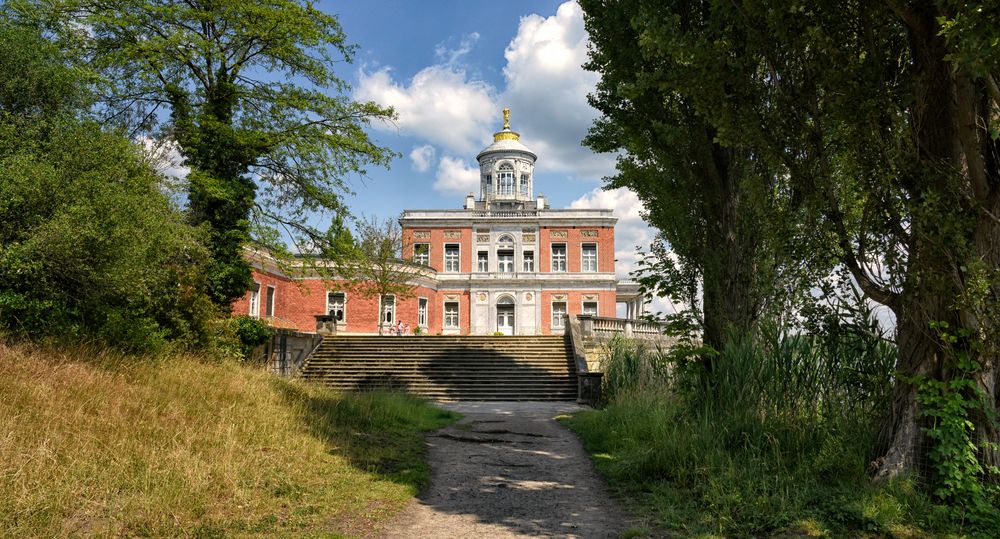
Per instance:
x=94, y=443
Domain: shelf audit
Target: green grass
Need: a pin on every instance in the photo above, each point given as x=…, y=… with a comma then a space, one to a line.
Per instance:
x=97, y=443
x=779, y=446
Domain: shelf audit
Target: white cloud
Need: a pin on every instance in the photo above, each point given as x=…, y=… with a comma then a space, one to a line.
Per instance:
x=454, y=176
x=422, y=157
x=546, y=90
x=451, y=56
x=631, y=233
x=439, y=104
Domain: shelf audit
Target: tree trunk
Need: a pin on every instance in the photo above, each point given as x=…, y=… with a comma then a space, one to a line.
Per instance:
x=954, y=243
x=728, y=295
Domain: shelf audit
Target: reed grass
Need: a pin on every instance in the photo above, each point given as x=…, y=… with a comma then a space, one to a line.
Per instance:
x=98, y=443
x=778, y=444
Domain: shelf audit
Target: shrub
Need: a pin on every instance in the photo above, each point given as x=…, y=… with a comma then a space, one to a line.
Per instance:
x=251, y=333
x=90, y=245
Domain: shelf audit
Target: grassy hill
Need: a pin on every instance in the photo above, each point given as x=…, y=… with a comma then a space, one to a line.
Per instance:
x=96, y=443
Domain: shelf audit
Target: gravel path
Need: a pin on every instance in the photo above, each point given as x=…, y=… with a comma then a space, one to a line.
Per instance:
x=508, y=469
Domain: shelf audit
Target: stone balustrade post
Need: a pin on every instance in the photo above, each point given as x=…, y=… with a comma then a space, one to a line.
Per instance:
x=628, y=328
x=586, y=326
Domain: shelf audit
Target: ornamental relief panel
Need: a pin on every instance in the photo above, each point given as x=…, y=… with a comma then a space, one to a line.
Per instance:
x=483, y=238
x=558, y=297
x=422, y=234
x=451, y=297
x=590, y=297
x=452, y=235
x=589, y=233
x=530, y=238
x=529, y=297
x=559, y=234
x=482, y=297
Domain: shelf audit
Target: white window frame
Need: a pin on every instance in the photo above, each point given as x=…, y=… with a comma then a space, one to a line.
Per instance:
x=583, y=258
x=506, y=180
x=483, y=261
x=270, y=300
x=343, y=306
x=523, y=187
x=254, y=310
x=583, y=307
x=382, y=311
x=458, y=315
x=422, y=259
x=561, y=322
x=562, y=258
x=458, y=257
x=423, y=307
x=504, y=264
x=528, y=256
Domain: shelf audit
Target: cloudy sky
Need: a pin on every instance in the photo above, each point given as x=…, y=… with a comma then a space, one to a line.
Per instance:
x=448, y=68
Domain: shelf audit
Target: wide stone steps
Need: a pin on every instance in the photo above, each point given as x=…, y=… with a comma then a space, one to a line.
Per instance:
x=448, y=367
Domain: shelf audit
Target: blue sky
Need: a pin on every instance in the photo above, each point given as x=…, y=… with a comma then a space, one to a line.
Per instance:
x=448, y=68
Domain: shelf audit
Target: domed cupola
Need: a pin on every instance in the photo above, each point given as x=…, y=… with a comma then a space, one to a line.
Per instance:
x=506, y=168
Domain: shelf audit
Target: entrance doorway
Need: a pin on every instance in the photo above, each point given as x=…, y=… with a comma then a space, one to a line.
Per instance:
x=505, y=316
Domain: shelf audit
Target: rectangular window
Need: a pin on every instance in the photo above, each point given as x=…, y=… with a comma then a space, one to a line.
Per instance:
x=422, y=312
x=558, y=257
x=589, y=257
x=451, y=251
x=270, y=302
x=255, y=300
x=505, y=261
x=590, y=307
x=524, y=185
x=451, y=314
x=559, y=315
x=335, y=305
x=422, y=253
x=388, y=309
x=529, y=261
x=483, y=261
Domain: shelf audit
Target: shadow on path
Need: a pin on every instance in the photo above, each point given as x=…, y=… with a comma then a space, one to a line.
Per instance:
x=510, y=470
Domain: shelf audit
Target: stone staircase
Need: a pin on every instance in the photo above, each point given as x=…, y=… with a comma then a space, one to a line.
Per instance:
x=485, y=368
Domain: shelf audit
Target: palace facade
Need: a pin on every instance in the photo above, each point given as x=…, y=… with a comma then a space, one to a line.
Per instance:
x=503, y=263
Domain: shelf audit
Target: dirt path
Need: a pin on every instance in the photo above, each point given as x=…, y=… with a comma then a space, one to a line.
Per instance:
x=508, y=469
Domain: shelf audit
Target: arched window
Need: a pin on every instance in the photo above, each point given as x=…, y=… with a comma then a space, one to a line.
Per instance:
x=505, y=254
x=505, y=180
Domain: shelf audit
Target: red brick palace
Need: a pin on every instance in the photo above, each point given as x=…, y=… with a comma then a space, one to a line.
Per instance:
x=505, y=262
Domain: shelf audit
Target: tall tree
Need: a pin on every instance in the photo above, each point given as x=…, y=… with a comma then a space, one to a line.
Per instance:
x=254, y=104
x=884, y=119
x=710, y=202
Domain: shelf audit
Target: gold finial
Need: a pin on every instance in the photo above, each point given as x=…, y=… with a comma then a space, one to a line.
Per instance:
x=506, y=133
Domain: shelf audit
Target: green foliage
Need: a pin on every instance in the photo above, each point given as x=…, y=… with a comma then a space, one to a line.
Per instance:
x=254, y=104
x=629, y=365
x=251, y=332
x=947, y=406
x=777, y=448
x=90, y=246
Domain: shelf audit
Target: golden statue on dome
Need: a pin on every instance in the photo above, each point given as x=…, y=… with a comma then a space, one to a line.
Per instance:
x=506, y=118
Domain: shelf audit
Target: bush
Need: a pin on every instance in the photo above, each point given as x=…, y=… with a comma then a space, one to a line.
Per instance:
x=90, y=245
x=251, y=333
